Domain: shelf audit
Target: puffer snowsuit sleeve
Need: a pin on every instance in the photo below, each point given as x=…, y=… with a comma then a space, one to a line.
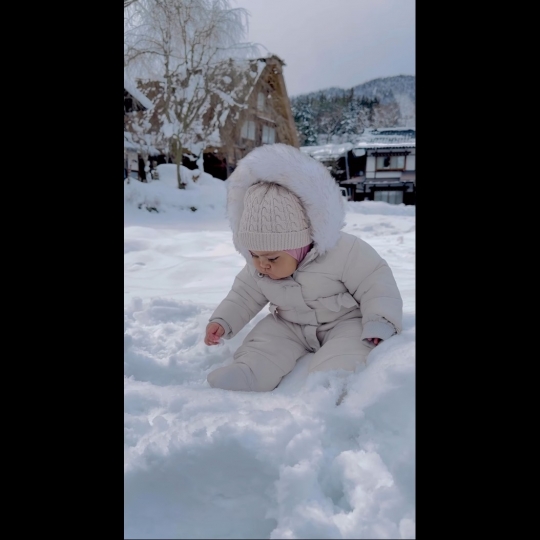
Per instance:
x=242, y=303
x=371, y=282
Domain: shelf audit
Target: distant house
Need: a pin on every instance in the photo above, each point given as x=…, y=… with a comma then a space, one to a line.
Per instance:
x=379, y=166
x=261, y=115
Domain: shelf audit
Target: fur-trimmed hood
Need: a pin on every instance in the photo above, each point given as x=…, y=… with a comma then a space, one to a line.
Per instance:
x=306, y=177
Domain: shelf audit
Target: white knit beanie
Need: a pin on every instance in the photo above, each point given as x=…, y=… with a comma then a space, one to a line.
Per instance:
x=273, y=219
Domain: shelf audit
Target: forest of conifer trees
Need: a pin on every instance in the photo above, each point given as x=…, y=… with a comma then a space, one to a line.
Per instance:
x=336, y=115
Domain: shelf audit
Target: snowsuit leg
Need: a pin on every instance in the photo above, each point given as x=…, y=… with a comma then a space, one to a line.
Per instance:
x=233, y=377
x=268, y=353
x=341, y=348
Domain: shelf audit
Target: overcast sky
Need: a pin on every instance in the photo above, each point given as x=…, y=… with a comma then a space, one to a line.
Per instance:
x=341, y=43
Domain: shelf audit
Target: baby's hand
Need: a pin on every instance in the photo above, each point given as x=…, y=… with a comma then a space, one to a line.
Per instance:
x=214, y=331
x=374, y=340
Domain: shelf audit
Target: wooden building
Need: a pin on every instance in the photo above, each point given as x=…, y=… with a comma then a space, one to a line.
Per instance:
x=261, y=114
x=379, y=166
x=267, y=117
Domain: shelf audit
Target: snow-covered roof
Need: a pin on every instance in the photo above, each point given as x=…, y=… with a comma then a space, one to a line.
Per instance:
x=387, y=136
x=393, y=138
x=131, y=87
x=130, y=144
x=247, y=82
x=237, y=79
x=327, y=151
x=261, y=64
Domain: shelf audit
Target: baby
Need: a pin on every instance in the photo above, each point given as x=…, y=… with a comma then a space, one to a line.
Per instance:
x=330, y=293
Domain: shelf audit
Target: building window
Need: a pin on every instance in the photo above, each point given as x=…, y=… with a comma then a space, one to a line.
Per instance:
x=390, y=163
x=248, y=130
x=261, y=101
x=391, y=197
x=268, y=135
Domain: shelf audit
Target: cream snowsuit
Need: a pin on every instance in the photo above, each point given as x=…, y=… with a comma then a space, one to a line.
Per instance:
x=341, y=293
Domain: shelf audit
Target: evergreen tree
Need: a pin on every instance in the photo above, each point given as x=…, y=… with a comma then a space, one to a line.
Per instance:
x=305, y=121
x=337, y=115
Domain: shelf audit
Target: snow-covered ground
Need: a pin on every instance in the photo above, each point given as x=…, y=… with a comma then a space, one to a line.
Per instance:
x=208, y=463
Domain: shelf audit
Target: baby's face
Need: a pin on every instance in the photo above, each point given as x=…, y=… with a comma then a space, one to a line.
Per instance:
x=275, y=264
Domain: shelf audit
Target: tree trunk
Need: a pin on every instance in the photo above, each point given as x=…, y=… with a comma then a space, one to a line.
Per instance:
x=178, y=155
x=200, y=164
x=178, y=161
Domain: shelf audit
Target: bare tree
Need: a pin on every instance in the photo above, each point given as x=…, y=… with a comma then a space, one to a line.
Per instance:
x=128, y=3
x=178, y=49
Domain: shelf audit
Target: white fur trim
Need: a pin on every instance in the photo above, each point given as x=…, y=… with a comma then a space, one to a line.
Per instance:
x=303, y=175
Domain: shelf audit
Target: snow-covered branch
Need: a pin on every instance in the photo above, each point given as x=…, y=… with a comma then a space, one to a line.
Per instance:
x=178, y=50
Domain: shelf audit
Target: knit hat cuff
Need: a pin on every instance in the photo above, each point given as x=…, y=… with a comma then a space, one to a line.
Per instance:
x=274, y=241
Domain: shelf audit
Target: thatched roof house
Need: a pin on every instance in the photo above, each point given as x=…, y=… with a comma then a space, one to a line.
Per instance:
x=258, y=111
